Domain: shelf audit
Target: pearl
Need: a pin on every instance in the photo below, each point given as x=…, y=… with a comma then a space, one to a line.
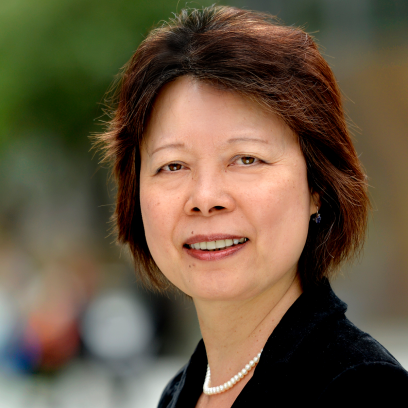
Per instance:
x=229, y=384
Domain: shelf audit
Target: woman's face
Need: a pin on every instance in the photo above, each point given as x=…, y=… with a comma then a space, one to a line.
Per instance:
x=217, y=170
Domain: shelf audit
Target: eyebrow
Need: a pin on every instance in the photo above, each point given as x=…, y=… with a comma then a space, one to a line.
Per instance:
x=168, y=146
x=247, y=139
x=233, y=140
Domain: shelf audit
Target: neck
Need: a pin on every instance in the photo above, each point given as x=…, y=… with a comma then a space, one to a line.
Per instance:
x=235, y=331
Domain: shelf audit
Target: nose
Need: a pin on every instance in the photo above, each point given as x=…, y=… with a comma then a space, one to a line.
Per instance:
x=209, y=195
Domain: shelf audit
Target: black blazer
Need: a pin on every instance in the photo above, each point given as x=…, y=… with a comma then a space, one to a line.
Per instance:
x=314, y=357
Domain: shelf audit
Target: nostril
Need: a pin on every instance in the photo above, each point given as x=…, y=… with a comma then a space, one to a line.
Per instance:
x=215, y=208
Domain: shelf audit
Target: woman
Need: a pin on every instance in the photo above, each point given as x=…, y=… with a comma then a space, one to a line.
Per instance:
x=238, y=184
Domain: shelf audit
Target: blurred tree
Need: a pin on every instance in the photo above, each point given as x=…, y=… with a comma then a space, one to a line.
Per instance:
x=58, y=58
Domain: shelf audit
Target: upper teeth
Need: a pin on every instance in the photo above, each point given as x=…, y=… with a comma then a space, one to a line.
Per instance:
x=222, y=243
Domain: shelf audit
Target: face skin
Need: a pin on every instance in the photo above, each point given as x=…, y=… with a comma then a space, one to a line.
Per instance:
x=214, y=166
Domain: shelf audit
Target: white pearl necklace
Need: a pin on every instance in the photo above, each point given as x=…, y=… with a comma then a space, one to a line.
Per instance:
x=234, y=380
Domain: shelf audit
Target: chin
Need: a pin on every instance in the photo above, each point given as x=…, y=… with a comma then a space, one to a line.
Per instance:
x=222, y=291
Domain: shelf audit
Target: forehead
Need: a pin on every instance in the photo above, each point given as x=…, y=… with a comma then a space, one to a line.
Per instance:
x=188, y=108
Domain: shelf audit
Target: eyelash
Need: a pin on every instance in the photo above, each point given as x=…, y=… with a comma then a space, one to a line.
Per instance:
x=168, y=165
x=256, y=161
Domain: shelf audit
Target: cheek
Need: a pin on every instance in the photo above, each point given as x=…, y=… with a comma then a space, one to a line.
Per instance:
x=151, y=206
x=282, y=215
x=160, y=218
x=295, y=216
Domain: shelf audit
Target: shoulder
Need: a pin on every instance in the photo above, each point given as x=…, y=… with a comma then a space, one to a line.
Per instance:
x=172, y=388
x=341, y=341
x=373, y=383
x=349, y=363
x=316, y=355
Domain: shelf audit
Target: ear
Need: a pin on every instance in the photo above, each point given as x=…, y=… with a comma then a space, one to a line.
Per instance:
x=315, y=202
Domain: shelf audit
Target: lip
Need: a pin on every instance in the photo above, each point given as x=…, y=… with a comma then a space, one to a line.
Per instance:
x=213, y=237
x=215, y=255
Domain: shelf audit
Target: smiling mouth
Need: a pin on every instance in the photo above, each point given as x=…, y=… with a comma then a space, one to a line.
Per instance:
x=216, y=245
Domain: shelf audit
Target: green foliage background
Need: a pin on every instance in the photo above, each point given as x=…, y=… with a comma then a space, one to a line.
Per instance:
x=57, y=59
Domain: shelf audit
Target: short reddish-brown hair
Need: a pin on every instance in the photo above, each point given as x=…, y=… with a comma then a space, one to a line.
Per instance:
x=281, y=68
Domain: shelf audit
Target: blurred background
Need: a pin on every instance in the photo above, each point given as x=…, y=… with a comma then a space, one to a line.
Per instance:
x=76, y=328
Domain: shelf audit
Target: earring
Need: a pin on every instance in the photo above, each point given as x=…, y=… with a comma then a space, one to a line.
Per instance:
x=317, y=218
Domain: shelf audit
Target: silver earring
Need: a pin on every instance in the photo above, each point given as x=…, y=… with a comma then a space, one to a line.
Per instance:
x=317, y=218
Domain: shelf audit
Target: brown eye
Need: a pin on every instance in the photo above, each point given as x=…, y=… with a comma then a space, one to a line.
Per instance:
x=248, y=160
x=175, y=166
